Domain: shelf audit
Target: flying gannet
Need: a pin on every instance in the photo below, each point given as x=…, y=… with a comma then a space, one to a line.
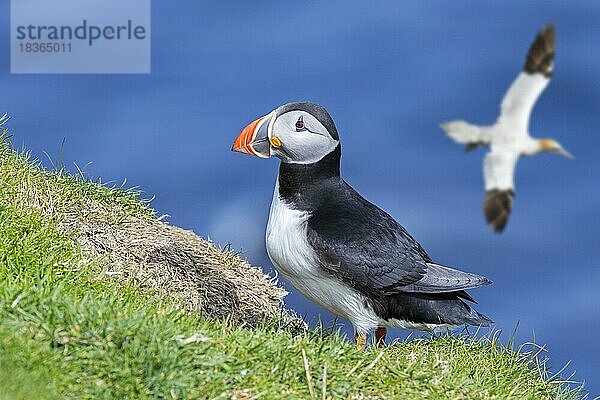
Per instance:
x=509, y=138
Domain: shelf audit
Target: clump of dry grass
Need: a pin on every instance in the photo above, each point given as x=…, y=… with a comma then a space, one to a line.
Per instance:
x=178, y=263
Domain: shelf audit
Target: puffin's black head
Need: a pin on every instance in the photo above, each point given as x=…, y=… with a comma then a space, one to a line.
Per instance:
x=299, y=133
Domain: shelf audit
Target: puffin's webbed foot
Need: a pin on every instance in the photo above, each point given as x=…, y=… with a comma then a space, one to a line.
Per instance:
x=380, y=334
x=361, y=340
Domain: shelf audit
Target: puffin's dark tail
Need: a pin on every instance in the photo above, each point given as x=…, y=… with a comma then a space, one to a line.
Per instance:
x=479, y=319
x=435, y=308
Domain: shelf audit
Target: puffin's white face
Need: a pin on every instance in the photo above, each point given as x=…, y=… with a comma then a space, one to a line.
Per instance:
x=293, y=135
x=302, y=138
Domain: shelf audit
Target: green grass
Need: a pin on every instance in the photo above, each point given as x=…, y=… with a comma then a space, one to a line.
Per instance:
x=66, y=331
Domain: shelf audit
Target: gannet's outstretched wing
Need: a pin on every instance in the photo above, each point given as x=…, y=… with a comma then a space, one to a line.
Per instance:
x=530, y=83
x=499, y=170
x=465, y=133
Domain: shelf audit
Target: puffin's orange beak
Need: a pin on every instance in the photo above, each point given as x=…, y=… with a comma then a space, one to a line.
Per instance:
x=254, y=139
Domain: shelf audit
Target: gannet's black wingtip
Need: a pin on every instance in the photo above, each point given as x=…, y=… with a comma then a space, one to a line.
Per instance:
x=541, y=53
x=496, y=208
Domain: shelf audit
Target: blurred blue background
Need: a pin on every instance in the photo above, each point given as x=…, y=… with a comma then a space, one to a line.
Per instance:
x=389, y=73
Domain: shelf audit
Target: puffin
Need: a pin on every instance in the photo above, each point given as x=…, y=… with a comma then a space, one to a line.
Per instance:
x=339, y=250
x=509, y=138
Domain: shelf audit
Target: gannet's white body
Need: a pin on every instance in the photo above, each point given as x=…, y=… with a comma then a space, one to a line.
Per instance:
x=509, y=137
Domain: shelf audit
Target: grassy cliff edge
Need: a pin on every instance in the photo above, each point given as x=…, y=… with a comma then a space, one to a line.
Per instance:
x=99, y=299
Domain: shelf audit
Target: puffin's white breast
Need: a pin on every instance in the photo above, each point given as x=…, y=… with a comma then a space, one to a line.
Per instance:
x=294, y=258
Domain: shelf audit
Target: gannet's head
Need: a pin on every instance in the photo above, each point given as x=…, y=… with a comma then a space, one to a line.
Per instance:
x=552, y=146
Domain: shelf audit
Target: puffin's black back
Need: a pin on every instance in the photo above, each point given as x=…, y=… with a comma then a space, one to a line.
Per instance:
x=355, y=240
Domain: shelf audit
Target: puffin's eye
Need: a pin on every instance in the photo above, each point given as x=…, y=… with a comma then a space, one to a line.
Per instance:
x=300, y=124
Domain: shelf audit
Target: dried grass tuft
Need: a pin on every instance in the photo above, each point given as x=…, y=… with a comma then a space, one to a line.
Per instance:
x=175, y=262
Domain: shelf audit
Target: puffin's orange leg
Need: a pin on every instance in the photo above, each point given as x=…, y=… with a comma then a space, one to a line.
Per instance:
x=361, y=340
x=380, y=336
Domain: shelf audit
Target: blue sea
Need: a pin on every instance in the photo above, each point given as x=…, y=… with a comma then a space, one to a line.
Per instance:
x=389, y=73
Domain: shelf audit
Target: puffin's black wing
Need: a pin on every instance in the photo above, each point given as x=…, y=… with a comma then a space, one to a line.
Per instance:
x=366, y=248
